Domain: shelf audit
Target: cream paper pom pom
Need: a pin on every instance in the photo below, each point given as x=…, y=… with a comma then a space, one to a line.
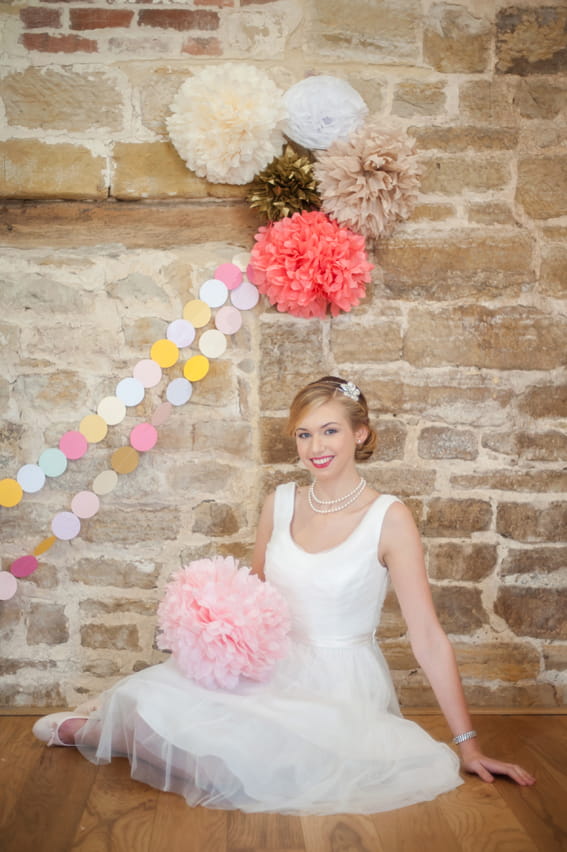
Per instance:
x=226, y=122
x=322, y=109
x=370, y=181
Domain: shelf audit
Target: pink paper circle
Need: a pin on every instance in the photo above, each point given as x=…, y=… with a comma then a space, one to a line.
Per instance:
x=65, y=526
x=181, y=332
x=24, y=566
x=228, y=319
x=245, y=297
x=8, y=585
x=143, y=437
x=147, y=372
x=73, y=444
x=230, y=274
x=250, y=274
x=161, y=414
x=85, y=504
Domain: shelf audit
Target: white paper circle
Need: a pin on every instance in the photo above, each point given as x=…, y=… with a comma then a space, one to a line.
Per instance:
x=105, y=482
x=85, y=504
x=242, y=259
x=31, y=478
x=212, y=343
x=213, y=292
x=181, y=332
x=112, y=410
x=130, y=391
x=245, y=297
x=179, y=391
x=148, y=372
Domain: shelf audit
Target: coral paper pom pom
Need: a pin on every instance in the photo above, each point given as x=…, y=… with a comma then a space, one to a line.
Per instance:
x=221, y=622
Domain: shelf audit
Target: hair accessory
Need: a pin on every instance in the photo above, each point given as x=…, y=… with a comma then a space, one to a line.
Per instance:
x=461, y=738
x=350, y=389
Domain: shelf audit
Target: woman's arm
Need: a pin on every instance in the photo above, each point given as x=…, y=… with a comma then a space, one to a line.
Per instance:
x=263, y=533
x=401, y=551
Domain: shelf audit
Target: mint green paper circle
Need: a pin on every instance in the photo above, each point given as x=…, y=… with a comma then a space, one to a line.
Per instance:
x=53, y=462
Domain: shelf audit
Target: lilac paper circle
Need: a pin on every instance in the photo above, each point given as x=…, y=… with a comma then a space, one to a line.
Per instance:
x=245, y=297
x=143, y=437
x=65, y=526
x=179, y=391
x=53, y=462
x=31, y=478
x=73, y=444
x=229, y=274
x=85, y=504
x=147, y=372
x=24, y=566
x=130, y=391
x=181, y=332
x=8, y=585
x=228, y=319
x=213, y=292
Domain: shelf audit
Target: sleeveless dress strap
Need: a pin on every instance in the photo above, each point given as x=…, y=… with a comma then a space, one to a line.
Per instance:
x=284, y=502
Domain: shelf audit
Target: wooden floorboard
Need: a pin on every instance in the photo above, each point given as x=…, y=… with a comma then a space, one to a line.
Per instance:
x=52, y=800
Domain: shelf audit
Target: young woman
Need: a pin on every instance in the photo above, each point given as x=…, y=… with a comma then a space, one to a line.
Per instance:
x=324, y=734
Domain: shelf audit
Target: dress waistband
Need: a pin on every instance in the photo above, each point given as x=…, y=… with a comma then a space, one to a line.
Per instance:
x=333, y=641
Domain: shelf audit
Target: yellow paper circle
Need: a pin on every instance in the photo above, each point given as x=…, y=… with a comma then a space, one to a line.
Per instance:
x=164, y=352
x=93, y=427
x=197, y=312
x=196, y=368
x=125, y=460
x=44, y=545
x=11, y=492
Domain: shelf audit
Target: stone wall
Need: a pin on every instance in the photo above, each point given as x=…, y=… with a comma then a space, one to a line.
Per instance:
x=459, y=346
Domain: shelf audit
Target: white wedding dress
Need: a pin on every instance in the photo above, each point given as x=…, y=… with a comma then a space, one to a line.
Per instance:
x=323, y=735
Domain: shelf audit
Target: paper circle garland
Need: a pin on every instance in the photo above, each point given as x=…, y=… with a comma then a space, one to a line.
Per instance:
x=196, y=368
x=181, y=332
x=31, y=477
x=73, y=444
x=8, y=585
x=65, y=526
x=85, y=504
x=178, y=392
x=212, y=343
x=228, y=320
x=94, y=428
x=44, y=545
x=124, y=460
x=131, y=391
x=105, y=482
x=24, y=566
x=245, y=297
x=162, y=412
x=164, y=352
x=53, y=462
x=230, y=274
x=112, y=410
x=197, y=312
x=11, y=492
x=148, y=372
x=143, y=437
x=213, y=292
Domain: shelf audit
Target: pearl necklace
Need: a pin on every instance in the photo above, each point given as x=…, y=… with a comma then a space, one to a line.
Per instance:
x=334, y=505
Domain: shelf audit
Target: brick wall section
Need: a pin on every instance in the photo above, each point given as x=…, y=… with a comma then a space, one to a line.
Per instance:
x=459, y=344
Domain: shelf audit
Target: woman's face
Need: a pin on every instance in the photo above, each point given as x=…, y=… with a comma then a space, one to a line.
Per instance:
x=325, y=440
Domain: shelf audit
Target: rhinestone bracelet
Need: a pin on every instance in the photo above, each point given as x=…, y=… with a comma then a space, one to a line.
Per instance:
x=461, y=738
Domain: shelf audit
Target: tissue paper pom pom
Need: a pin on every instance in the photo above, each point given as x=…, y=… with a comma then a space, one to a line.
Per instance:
x=225, y=122
x=285, y=187
x=370, y=181
x=308, y=263
x=221, y=622
x=322, y=109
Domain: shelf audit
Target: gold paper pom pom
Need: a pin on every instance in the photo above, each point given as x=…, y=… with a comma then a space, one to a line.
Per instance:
x=285, y=187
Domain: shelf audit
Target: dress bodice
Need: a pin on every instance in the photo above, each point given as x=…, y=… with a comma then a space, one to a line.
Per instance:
x=335, y=596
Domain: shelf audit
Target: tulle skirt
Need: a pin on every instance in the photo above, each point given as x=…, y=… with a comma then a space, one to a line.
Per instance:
x=323, y=735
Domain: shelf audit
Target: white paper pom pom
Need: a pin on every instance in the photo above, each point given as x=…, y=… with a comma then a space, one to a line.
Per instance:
x=322, y=109
x=226, y=122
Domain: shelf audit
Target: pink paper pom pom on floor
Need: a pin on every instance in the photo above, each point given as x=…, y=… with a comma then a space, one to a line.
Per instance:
x=221, y=622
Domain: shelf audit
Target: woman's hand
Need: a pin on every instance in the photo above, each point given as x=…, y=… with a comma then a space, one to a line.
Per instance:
x=486, y=768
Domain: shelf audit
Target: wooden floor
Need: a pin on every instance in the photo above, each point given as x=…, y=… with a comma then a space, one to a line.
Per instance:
x=52, y=800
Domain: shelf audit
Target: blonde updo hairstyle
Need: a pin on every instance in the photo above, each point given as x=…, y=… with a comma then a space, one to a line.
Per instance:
x=324, y=390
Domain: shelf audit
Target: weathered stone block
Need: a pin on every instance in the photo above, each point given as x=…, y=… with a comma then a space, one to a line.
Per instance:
x=539, y=97
x=459, y=608
x=531, y=41
x=215, y=519
x=456, y=140
x=490, y=213
x=116, y=637
x=472, y=335
x=34, y=169
x=125, y=525
x=63, y=390
x=47, y=623
x=440, y=442
x=204, y=477
x=542, y=481
x=404, y=482
x=125, y=606
x=432, y=212
x=453, y=175
x=385, y=30
x=379, y=340
x=455, y=40
x=391, y=440
x=553, y=275
x=451, y=518
x=555, y=658
x=507, y=661
x=153, y=170
x=542, y=186
x=528, y=522
x=156, y=88
x=77, y=101
x=461, y=561
x=488, y=101
x=456, y=264
x=412, y=98
x=281, y=342
x=276, y=446
x=223, y=436
x=533, y=612
x=533, y=446
x=535, y=560
x=545, y=401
